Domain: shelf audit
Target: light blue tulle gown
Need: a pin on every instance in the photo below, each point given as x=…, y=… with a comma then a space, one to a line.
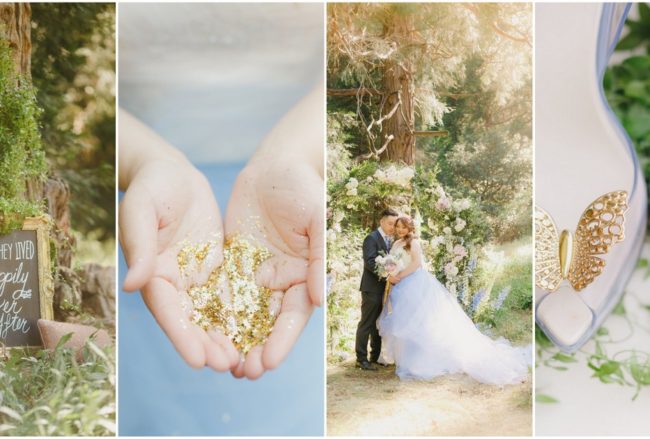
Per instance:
x=427, y=334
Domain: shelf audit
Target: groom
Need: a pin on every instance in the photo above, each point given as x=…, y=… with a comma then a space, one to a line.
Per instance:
x=372, y=291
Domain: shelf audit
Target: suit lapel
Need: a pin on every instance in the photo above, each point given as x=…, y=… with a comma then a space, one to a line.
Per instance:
x=380, y=238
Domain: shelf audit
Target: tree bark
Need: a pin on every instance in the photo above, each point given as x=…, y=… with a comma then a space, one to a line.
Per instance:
x=398, y=89
x=15, y=27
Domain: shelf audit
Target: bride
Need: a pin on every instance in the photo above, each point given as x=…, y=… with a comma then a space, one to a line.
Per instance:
x=426, y=332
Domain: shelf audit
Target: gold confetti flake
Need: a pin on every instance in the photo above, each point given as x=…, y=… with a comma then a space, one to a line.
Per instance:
x=231, y=300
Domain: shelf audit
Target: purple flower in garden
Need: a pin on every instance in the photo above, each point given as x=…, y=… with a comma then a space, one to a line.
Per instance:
x=476, y=300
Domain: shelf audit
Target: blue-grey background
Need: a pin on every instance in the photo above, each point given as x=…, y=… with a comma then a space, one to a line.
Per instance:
x=160, y=395
x=213, y=79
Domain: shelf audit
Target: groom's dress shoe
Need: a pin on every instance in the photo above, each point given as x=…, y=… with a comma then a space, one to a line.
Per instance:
x=366, y=365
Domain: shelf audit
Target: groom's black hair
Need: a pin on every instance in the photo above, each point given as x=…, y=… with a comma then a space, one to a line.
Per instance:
x=389, y=212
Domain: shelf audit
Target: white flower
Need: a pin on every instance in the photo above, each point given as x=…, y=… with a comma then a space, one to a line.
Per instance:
x=432, y=225
x=460, y=224
x=459, y=250
x=337, y=267
x=451, y=269
x=331, y=235
x=441, y=192
x=449, y=247
x=352, y=192
x=447, y=230
x=337, y=227
x=462, y=204
x=352, y=183
x=369, y=179
x=435, y=242
x=443, y=203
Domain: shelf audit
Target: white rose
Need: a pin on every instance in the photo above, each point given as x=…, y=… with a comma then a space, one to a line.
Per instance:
x=352, y=192
x=352, y=183
x=337, y=267
x=460, y=224
x=447, y=230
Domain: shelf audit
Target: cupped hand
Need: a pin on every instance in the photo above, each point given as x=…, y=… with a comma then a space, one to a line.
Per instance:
x=169, y=203
x=278, y=202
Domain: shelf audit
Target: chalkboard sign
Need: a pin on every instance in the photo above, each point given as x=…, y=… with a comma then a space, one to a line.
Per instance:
x=25, y=283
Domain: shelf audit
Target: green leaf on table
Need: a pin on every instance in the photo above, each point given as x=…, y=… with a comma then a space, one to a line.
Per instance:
x=545, y=399
x=564, y=358
x=602, y=331
x=619, y=309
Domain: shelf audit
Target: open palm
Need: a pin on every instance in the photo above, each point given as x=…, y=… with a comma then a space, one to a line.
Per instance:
x=279, y=203
x=167, y=205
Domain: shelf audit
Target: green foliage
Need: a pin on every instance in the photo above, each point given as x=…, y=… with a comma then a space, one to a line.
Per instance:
x=468, y=79
x=73, y=68
x=509, y=316
x=627, y=86
x=52, y=394
x=468, y=190
x=21, y=155
x=628, y=367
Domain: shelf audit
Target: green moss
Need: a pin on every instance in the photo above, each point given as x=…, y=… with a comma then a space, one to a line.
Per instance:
x=21, y=154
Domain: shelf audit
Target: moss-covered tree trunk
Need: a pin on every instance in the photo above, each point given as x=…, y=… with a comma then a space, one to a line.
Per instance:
x=398, y=128
x=51, y=193
x=15, y=27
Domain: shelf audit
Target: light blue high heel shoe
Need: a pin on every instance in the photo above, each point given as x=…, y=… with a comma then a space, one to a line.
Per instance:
x=581, y=154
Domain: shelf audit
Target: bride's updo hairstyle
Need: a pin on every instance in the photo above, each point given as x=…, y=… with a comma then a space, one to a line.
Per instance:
x=407, y=221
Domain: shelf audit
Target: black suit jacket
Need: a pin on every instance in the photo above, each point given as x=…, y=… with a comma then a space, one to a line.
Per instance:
x=372, y=245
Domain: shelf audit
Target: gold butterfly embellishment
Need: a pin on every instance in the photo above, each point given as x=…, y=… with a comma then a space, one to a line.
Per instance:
x=575, y=256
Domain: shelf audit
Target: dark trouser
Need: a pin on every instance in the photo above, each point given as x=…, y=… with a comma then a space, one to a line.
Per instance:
x=371, y=304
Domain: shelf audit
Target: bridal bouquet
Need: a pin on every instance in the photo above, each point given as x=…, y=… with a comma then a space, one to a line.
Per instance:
x=388, y=265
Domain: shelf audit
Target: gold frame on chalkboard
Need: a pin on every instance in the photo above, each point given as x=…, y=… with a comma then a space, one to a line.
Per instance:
x=41, y=224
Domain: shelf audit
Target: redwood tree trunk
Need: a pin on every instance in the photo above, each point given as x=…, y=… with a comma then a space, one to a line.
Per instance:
x=15, y=27
x=398, y=89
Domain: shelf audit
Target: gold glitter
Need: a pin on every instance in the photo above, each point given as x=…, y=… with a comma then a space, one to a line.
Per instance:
x=230, y=300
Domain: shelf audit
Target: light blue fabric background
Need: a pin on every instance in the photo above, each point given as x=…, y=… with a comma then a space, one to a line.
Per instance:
x=159, y=395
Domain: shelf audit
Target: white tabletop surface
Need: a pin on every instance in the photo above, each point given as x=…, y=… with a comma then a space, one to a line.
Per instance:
x=585, y=405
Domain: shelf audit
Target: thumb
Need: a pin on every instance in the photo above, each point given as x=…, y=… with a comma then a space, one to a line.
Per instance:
x=138, y=236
